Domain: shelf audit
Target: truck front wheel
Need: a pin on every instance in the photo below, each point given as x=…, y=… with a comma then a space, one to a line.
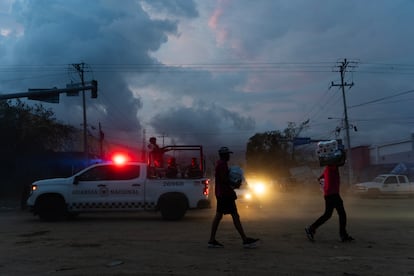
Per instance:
x=173, y=206
x=50, y=207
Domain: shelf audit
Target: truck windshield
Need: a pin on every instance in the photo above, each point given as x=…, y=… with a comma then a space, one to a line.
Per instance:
x=379, y=179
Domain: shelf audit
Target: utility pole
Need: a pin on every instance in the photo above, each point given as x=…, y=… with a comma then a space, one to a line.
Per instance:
x=101, y=139
x=342, y=70
x=163, y=137
x=80, y=67
x=144, y=146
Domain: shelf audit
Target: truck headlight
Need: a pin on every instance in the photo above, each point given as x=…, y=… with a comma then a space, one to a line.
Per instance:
x=248, y=196
x=33, y=189
x=259, y=188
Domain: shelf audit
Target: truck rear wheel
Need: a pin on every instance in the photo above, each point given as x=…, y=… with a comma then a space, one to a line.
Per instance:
x=50, y=207
x=173, y=206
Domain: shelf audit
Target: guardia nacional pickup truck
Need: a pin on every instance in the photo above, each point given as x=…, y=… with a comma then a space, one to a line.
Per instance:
x=117, y=187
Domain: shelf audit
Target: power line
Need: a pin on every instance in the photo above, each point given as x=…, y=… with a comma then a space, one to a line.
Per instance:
x=243, y=67
x=323, y=105
x=383, y=98
x=317, y=103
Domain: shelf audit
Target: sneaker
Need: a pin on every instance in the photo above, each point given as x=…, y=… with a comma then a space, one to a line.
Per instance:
x=250, y=243
x=347, y=238
x=215, y=244
x=310, y=233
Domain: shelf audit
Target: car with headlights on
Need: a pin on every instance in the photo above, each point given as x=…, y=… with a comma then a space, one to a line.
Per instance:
x=255, y=191
x=246, y=197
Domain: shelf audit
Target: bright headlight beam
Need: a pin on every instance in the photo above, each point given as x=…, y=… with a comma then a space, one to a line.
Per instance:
x=259, y=188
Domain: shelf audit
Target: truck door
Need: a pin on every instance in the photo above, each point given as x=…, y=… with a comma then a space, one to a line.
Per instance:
x=89, y=190
x=108, y=187
x=126, y=187
x=404, y=185
x=390, y=185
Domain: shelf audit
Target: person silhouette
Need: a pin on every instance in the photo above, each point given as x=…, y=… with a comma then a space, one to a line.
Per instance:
x=226, y=202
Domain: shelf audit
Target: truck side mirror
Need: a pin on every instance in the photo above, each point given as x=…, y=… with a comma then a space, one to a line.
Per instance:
x=76, y=180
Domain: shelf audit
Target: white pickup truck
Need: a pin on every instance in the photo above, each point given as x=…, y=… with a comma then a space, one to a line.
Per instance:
x=117, y=187
x=385, y=184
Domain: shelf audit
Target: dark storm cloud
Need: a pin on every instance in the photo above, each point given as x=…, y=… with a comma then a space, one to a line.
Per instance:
x=94, y=32
x=99, y=32
x=109, y=36
x=303, y=30
x=209, y=125
x=180, y=81
x=183, y=8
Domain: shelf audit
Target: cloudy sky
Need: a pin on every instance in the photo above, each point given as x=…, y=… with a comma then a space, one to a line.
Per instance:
x=215, y=72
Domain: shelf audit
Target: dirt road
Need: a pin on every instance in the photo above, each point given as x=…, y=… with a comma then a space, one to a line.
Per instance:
x=143, y=244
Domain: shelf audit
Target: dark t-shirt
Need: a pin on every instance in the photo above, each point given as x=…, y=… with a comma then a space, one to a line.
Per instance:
x=155, y=156
x=222, y=188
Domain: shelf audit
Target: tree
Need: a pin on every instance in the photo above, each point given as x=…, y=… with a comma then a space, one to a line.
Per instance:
x=268, y=153
x=28, y=134
x=27, y=129
x=272, y=152
x=293, y=131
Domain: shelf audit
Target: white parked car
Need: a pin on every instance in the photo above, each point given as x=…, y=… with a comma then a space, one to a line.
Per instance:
x=385, y=184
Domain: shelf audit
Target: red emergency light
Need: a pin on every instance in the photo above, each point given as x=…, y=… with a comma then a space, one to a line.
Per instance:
x=120, y=158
